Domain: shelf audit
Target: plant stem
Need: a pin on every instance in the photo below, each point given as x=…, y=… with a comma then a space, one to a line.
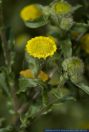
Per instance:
x=43, y=110
x=14, y=96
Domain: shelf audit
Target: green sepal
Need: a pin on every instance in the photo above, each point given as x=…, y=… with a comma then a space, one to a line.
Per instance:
x=39, y=22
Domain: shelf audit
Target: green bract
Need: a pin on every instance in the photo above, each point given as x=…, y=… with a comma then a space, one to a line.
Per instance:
x=39, y=22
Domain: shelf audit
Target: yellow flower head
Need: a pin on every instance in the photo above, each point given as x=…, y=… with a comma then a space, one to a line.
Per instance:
x=85, y=43
x=41, y=47
x=27, y=73
x=43, y=76
x=30, y=12
x=62, y=7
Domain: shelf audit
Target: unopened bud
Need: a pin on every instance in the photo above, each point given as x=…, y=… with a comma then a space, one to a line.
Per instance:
x=74, y=68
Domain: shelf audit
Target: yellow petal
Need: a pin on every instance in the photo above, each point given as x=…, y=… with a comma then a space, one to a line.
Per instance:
x=41, y=47
x=43, y=76
x=27, y=73
x=30, y=12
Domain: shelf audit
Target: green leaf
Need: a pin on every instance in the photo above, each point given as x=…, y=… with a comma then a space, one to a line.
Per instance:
x=34, y=64
x=7, y=129
x=80, y=29
x=29, y=115
x=66, y=47
x=60, y=92
x=76, y=8
x=54, y=79
x=25, y=84
x=39, y=22
x=84, y=87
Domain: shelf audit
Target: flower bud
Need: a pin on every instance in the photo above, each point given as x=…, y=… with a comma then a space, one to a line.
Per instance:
x=62, y=8
x=30, y=12
x=66, y=23
x=74, y=68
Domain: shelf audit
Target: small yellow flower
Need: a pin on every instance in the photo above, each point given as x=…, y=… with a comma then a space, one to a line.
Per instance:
x=27, y=73
x=43, y=76
x=41, y=47
x=62, y=7
x=30, y=12
x=85, y=42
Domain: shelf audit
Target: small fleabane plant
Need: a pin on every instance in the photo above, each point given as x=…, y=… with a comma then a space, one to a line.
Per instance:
x=56, y=58
x=42, y=71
